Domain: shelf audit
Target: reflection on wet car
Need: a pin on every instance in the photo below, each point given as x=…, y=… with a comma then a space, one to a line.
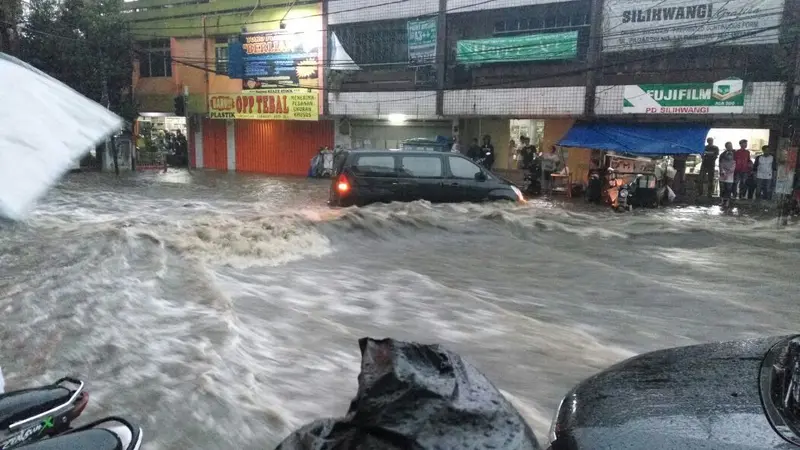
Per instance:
x=366, y=176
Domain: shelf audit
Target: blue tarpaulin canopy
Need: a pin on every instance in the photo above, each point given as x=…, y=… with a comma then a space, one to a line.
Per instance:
x=638, y=139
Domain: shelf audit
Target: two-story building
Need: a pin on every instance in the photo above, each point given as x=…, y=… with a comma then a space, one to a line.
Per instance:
x=269, y=122
x=512, y=68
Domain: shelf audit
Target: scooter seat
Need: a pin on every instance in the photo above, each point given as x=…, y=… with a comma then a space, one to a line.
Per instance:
x=93, y=439
x=25, y=403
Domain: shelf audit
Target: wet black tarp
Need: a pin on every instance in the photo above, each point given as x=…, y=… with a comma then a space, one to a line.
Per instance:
x=414, y=396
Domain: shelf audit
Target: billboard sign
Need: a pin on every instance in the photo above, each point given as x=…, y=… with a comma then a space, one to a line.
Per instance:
x=276, y=59
x=267, y=104
x=649, y=24
x=723, y=97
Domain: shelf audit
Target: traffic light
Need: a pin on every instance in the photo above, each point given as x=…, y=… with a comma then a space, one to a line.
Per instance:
x=180, y=106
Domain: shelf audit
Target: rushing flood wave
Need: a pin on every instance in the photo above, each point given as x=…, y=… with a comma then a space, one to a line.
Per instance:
x=223, y=311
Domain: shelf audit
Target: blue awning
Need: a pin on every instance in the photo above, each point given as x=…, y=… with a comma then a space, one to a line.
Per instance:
x=639, y=139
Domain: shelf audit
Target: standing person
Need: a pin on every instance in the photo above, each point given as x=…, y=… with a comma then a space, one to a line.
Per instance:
x=765, y=168
x=456, y=148
x=474, y=150
x=743, y=168
x=512, y=154
x=727, y=169
x=487, y=152
x=707, y=167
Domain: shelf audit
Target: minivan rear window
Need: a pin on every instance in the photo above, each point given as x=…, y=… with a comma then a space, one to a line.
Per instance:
x=421, y=166
x=375, y=165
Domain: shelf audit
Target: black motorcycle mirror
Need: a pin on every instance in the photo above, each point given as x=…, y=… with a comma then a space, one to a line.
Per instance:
x=480, y=176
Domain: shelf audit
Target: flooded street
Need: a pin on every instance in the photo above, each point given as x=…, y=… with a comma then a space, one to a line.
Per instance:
x=222, y=311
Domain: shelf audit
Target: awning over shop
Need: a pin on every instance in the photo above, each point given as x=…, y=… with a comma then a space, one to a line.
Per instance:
x=639, y=139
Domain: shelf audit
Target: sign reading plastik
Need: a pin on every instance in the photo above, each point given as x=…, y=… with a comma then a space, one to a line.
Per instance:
x=647, y=24
x=273, y=104
x=722, y=97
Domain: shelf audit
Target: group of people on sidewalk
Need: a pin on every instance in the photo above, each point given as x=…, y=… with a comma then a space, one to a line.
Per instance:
x=739, y=176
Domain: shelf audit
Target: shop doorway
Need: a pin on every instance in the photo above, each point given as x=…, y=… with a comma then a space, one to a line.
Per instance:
x=161, y=139
x=518, y=128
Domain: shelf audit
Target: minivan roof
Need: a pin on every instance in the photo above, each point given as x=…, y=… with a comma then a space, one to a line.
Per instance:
x=404, y=152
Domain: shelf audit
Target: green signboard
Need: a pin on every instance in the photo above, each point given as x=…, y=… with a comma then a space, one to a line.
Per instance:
x=422, y=41
x=723, y=97
x=533, y=47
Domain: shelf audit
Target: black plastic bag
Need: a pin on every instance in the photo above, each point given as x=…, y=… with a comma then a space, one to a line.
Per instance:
x=414, y=396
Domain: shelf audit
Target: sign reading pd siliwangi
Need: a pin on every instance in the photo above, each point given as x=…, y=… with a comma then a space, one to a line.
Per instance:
x=723, y=97
x=273, y=104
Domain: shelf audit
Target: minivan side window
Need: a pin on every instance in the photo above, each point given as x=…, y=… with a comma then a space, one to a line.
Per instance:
x=421, y=166
x=375, y=166
x=462, y=168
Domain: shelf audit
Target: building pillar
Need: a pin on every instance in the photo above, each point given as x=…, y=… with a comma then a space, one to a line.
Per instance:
x=231, y=138
x=198, y=144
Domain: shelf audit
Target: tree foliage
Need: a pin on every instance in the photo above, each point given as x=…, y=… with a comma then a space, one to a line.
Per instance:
x=86, y=44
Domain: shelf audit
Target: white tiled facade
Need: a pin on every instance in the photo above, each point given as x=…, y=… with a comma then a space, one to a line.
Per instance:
x=459, y=6
x=522, y=102
x=760, y=99
x=348, y=11
x=414, y=104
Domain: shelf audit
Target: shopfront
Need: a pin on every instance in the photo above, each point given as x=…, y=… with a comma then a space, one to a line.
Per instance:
x=270, y=131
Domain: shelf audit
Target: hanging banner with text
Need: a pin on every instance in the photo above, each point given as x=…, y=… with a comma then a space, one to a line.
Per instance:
x=422, y=41
x=722, y=97
x=648, y=24
x=272, y=104
x=534, y=47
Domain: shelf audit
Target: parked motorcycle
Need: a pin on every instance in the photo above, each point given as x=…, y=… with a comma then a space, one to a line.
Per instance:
x=532, y=181
x=28, y=415
x=110, y=433
x=624, y=198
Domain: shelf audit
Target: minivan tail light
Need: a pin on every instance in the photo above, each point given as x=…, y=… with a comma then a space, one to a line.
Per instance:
x=342, y=185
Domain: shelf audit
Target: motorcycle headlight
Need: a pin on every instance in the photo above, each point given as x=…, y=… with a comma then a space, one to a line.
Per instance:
x=623, y=194
x=516, y=190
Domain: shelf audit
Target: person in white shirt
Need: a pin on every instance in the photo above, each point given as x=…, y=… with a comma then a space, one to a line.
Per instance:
x=727, y=167
x=765, y=168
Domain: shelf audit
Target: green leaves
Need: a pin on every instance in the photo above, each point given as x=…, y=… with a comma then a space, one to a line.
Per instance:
x=84, y=43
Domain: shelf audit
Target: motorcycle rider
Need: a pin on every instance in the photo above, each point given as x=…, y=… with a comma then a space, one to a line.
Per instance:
x=474, y=150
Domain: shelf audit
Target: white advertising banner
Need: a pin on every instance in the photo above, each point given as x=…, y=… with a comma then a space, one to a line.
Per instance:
x=648, y=24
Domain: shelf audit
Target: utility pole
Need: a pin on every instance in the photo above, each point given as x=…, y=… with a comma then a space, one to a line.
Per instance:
x=186, y=117
x=441, y=55
x=593, y=54
x=111, y=140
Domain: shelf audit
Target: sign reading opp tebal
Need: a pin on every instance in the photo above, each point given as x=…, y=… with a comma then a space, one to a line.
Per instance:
x=723, y=97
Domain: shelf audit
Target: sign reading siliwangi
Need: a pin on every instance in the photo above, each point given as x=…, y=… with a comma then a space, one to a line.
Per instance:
x=722, y=97
x=422, y=41
x=647, y=24
x=269, y=104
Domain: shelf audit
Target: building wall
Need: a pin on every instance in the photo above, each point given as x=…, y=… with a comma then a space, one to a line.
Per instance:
x=415, y=104
x=454, y=6
x=348, y=11
x=515, y=103
x=378, y=134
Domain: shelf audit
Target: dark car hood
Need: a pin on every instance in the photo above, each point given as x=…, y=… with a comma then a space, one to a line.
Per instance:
x=703, y=396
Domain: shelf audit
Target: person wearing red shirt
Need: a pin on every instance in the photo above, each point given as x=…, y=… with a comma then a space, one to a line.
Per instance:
x=743, y=168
